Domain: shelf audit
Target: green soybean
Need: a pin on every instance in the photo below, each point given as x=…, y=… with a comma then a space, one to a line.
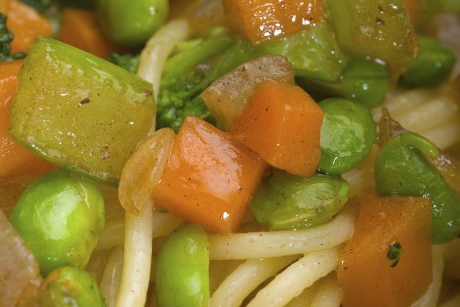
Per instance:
x=402, y=167
x=182, y=274
x=362, y=80
x=431, y=67
x=60, y=217
x=285, y=201
x=131, y=23
x=71, y=286
x=347, y=135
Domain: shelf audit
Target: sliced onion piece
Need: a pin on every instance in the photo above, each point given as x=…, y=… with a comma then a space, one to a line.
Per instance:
x=143, y=170
x=228, y=95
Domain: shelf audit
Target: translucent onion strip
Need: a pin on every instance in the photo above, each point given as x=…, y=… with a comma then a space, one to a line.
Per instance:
x=255, y=245
x=295, y=278
x=143, y=170
x=246, y=278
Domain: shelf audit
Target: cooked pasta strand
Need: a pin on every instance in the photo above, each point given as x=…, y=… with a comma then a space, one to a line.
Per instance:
x=111, y=278
x=429, y=112
x=256, y=245
x=114, y=232
x=446, y=134
x=157, y=50
x=295, y=278
x=328, y=294
x=247, y=277
x=137, y=259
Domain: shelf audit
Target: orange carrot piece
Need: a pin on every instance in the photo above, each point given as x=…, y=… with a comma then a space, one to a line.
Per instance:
x=262, y=20
x=282, y=124
x=26, y=24
x=15, y=159
x=209, y=178
x=79, y=28
x=368, y=275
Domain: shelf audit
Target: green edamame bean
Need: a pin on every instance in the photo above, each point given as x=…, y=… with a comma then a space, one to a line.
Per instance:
x=71, y=286
x=131, y=23
x=347, y=135
x=182, y=274
x=431, y=67
x=362, y=80
x=286, y=201
x=402, y=168
x=60, y=217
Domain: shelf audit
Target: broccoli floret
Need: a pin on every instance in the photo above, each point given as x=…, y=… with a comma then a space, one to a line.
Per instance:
x=127, y=61
x=186, y=75
x=6, y=37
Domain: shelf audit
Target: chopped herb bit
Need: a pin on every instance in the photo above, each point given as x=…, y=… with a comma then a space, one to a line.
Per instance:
x=394, y=253
x=6, y=37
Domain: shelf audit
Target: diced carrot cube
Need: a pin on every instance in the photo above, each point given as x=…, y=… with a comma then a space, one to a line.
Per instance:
x=79, y=28
x=26, y=24
x=282, y=124
x=262, y=20
x=387, y=262
x=209, y=178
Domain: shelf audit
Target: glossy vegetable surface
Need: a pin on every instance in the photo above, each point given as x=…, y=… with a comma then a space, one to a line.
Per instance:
x=227, y=97
x=131, y=23
x=182, y=274
x=282, y=123
x=347, y=135
x=209, y=177
x=263, y=20
x=60, y=218
x=387, y=261
x=379, y=29
x=15, y=159
x=70, y=286
x=285, y=201
x=402, y=167
x=89, y=119
x=362, y=80
x=431, y=67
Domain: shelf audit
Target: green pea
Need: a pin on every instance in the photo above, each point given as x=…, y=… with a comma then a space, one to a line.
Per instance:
x=182, y=274
x=362, y=80
x=60, y=217
x=130, y=23
x=71, y=286
x=285, y=201
x=402, y=168
x=347, y=135
x=431, y=67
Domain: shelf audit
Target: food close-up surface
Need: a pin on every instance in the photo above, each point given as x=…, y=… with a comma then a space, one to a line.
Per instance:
x=230, y=153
